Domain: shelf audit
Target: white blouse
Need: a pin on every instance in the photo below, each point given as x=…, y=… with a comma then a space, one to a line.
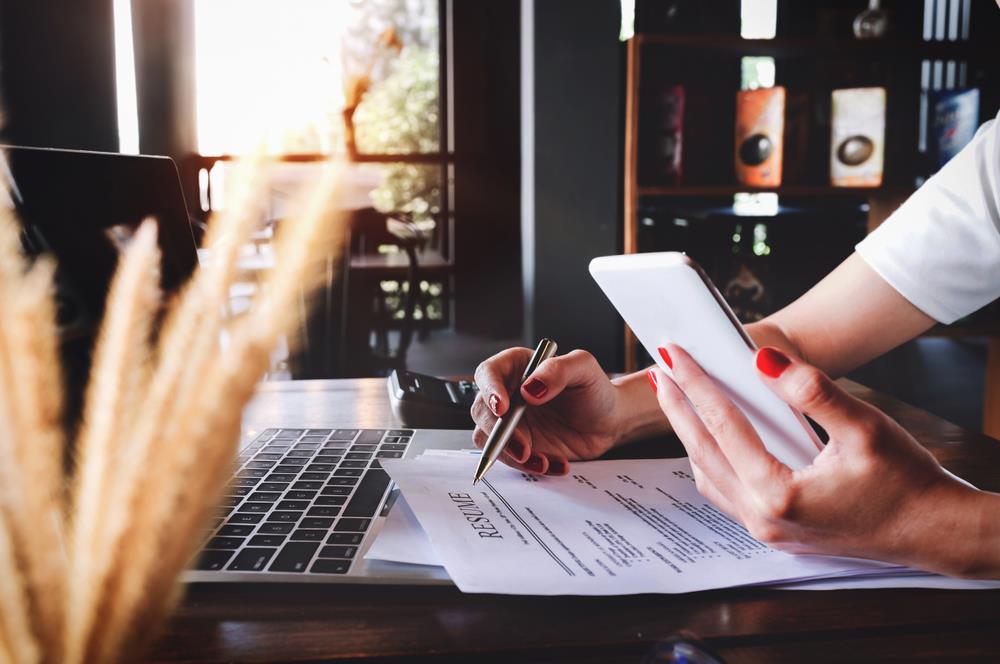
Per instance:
x=941, y=248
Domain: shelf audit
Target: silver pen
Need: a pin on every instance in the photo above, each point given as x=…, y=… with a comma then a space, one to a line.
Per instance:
x=505, y=426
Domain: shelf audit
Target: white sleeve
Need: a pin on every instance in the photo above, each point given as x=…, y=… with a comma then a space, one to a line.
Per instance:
x=941, y=248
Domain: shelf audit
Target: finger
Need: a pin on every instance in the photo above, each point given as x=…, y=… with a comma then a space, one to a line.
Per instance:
x=577, y=368
x=479, y=437
x=807, y=389
x=482, y=415
x=756, y=468
x=708, y=489
x=558, y=466
x=518, y=448
x=702, y=448
x=496, y=373
x=537, y=463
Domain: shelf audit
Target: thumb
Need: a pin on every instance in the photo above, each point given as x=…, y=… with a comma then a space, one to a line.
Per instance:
x=809, y=390
x=577, y=368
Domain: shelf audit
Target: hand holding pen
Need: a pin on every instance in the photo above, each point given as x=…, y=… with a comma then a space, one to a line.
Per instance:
x=574, y=412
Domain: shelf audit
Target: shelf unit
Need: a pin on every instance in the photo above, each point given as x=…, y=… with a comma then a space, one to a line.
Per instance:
x=882, y=200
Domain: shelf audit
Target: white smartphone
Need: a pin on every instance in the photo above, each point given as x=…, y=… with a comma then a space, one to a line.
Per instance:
x=667, y=298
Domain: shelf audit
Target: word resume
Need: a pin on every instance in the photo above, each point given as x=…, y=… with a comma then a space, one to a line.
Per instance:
x=608, y=528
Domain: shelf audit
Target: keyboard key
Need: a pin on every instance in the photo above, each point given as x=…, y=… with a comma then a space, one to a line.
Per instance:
x=389, y=455
x=313, y=522
x=306, y=446
x=322, y=511
x=345, y=538
x=222, y=510
x=267, y=456
x=258, y=508
x=330, y=566
x=338, y=551
x=266, y=433
x=294, y=557
x=368, y=496
x=291, y=432
x=319, y=432
x=245, y=481
x=320, y=467
x=251, y=560
x=282, y=476
x=273, y=486
x=328, y=456
x=295, y=461
x=336, y=491
x=252, y=472
x=263, y=496
x=337, y=445
x=394, y=448
x=300, y=495
x=330, y=500
x=313, y=439
x=353, y=525
x=390, y=439
x=343, y=481
x=266, y=540
x=286, y=517
x=224, y=543
x=239, y=490
x=276, y=528
x=344, y=434
x=349, y=472
x=298, y=505
x=314, y=476
x=235, y=531
x=363, y=448
x=404, y=440
x=400, y=432
x=244, y=518
x=353, y=464
x=231, y=501
x=213, y=560
x=277, y=449
x=260, y=464
x=308, y=486
x=369, y=436
x=357, y=455
x=309, y=535
x=287, y=470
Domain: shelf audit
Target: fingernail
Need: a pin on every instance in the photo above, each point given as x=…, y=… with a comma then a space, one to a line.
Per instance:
x=535, y=463
x=666, y=357
x=652, y=379
x=772, y=362
x=516, y=449
x=495, y=404
x=557, y=467
x=535, y=388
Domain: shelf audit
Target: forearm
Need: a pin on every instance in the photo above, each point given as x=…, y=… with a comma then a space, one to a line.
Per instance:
x=640, y=414
x=954, y=530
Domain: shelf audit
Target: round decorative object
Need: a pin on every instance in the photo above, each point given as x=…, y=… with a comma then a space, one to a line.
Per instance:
x=755, y=149
x=855, y=150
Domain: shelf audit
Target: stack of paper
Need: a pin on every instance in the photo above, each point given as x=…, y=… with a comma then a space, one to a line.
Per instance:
x=609, y=528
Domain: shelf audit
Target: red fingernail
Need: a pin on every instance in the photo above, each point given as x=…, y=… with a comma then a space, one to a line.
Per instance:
x=535, y=388
x=495, y=404
x=516, y=449
x=652, y=379
x=535, y=464
x=666, y=357
x=772, y=362
x=557, y=467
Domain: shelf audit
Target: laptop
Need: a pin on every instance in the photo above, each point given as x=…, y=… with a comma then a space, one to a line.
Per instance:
x=304, y=503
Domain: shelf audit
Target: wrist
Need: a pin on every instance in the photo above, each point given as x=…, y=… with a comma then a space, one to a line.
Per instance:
x=638, y=414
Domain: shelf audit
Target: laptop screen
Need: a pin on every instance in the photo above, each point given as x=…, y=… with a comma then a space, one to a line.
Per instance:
x=82, y=208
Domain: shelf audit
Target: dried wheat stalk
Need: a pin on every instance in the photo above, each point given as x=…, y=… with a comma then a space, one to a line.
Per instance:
x=160, y=429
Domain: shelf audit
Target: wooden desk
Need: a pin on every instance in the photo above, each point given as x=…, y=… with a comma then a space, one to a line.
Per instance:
x=322, y=623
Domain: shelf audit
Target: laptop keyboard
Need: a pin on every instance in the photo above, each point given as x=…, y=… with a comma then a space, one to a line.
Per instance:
x=302, y=500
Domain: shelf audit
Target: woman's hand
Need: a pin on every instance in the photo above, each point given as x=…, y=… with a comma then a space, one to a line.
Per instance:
x=872, y=492
x=575, y=412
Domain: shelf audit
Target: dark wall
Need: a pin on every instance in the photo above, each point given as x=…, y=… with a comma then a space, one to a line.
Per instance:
x=57, y=73
x=487, y=163
x=577, y=152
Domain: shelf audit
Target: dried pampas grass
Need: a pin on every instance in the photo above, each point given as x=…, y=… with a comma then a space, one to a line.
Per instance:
x=90, y=558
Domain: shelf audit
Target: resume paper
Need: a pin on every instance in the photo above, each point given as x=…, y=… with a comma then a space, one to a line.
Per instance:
x=608, y=528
